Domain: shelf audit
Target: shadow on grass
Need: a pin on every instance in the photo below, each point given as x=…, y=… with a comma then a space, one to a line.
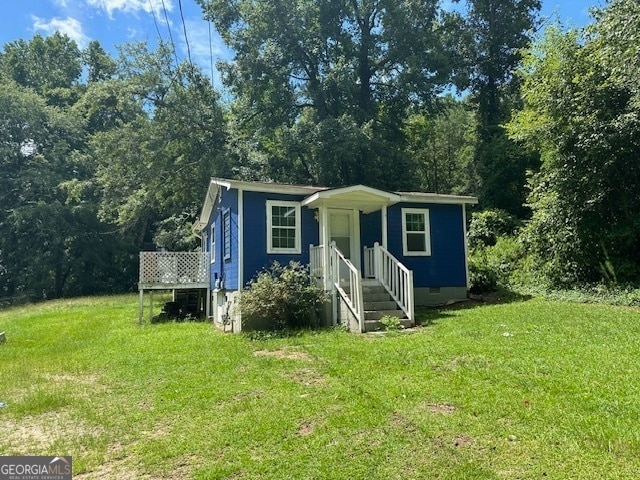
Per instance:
x=426, y=316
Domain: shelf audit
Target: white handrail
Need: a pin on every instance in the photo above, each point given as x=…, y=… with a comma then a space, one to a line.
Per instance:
x=353, y=298
x=393, y=275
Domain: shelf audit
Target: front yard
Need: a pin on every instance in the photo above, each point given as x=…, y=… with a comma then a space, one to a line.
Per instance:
x=531, y=389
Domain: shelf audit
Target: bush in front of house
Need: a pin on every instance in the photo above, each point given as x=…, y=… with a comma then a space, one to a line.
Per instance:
x=282, y=297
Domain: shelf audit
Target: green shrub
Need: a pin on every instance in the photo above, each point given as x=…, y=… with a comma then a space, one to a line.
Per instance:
x=487, y=226
x=282, y=297
x=482, y=278
x=505, y=264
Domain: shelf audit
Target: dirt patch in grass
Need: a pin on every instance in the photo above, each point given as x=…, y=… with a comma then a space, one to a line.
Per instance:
x=306, y=428
x=441, y=408
x=114, y=469
x=462, y=441
x=37, y=433
x=283, y=353
x=458, y=441
x=307, y=377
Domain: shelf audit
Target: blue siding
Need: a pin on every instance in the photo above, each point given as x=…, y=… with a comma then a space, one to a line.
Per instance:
x=445, y=267
x=255, y=232
x=226, y=269
x=370, y=229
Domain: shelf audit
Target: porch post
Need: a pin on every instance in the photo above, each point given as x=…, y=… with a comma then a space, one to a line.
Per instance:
x=324, y=239
x=376, y=260
x=141, y=307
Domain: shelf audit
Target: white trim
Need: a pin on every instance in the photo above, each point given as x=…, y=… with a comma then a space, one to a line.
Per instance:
x=240, y=238
x=212, y=241
x=298, y=227
x=354, y=218
x=226, y=230
x=466, y=245
x=372, y=197
x=384, y=227
x=420, y=197
x=427, y=232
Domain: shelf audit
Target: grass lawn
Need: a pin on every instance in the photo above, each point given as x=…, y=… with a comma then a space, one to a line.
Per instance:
x=524, y=390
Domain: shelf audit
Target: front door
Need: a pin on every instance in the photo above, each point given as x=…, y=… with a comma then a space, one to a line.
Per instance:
x=344, y=230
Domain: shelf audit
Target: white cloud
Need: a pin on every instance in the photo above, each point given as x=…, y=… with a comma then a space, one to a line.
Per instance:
x=68, y=26
x=131, y=6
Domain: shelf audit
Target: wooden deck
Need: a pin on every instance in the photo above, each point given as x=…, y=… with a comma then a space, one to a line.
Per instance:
x=172, y=271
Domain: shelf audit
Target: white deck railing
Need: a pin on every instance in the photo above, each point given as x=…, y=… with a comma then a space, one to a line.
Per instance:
x=316, y=263
x=346, y=281
x=183, y=269
x=393, y=275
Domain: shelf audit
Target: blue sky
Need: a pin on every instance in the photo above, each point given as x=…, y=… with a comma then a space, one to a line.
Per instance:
x=114, y=22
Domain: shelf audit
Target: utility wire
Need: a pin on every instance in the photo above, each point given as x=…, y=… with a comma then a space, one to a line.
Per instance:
x=210, y=46
x=173, y=45
x=155, y=21
x=184, y=27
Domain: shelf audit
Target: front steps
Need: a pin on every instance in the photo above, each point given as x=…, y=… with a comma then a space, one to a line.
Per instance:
x=377, y=304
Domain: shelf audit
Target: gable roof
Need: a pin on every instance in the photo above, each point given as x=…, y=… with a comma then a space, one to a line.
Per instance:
x=366, y=199
x=361, y=197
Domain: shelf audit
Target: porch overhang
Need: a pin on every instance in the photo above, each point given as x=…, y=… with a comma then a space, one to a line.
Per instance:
x=359, y=197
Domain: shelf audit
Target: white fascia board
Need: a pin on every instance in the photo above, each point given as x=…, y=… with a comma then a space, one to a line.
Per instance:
x=267, y=187
x=419, y=197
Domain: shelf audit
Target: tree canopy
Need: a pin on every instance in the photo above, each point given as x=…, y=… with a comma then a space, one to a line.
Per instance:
x=582, y=111
x=103, y=154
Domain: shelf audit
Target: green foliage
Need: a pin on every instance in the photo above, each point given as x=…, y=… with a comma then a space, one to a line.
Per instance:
x=581, y=112
x=495, y=33
x=282, y=297
x=322, y=89
x=442, y=145
x=486, y=226
x=391, y=323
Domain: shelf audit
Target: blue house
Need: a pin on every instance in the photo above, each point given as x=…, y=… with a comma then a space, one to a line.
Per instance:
x=378, y=253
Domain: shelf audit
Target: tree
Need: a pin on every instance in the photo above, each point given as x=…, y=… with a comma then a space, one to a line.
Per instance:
x=443, y=144
x=497, y=30
x=51, y=66
x=50, y=244
x=166, y=138
x=582, y=110
x=312, y=75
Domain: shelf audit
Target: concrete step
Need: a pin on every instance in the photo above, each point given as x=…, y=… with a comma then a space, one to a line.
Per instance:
x=376, y=297
x=378, y=314
x=379, y=304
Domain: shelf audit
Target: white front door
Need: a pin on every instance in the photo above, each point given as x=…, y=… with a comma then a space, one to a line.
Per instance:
x=344, y=230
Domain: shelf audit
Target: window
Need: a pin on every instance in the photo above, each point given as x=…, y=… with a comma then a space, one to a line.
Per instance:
x=213, y=242
x=283, y=227
x=416, y=237
x=226, y=234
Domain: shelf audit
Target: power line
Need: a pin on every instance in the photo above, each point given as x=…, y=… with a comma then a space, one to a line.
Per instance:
x=155, y=22
x=173, y=45
x=210, y=47
x=184, y=27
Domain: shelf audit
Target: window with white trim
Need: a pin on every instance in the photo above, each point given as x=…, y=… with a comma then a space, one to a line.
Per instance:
x=283, y=227
x=212, y=252
x=226, y=234
x=416, y=232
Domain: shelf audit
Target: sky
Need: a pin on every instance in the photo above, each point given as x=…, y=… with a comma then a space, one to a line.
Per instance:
x=114, y=22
